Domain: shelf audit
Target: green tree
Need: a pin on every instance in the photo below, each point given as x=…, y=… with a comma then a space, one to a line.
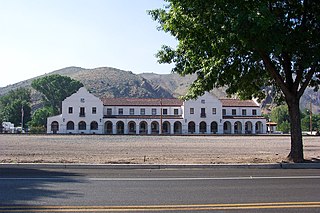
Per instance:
x=55, y=88
x=15, y=107
x=280, y=115
x=305, y=121
x=246, y=46
x=39, y=117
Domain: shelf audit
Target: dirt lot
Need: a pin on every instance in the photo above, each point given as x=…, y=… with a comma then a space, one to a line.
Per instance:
x=99, y=149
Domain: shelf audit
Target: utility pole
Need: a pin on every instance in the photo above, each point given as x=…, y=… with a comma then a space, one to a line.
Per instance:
x=311, y=118
x=160, y=116
x=22, y=114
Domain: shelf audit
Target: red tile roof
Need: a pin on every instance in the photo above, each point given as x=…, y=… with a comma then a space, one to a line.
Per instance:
x=142, y=102
x=238, y=103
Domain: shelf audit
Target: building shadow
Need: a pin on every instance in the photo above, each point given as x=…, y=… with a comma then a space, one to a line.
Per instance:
x=20, y=186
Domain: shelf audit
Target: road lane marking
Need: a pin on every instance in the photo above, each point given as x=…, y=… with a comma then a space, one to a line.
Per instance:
x=202, y=178
x=164, y=178
x=194, y=207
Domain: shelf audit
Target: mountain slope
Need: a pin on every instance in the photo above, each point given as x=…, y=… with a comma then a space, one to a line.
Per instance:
x=111, y=82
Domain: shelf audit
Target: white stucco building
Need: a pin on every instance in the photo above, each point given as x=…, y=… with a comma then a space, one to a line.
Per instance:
x=83, y=113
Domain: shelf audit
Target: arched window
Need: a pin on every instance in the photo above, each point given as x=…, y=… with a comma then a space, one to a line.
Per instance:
x=155, y=127
x=237, y=127
x=70, y=125
x=132, y=127
x=94, y=125
x=214, y=127
x=54, y=127
x=203, y=127
x=191, y=127
x=177, y=127
x=82, y=125
x=120, y=127
x=248, y=127
x=166, y=127
x=108, y=127
x=227, y=127
x=143, y=127
x=259, y=127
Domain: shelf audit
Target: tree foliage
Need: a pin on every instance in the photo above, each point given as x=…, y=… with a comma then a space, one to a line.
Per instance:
x=39, y=117
x=280, y=114
x=246, y=46
x=14, y=105
x=305, y=122
x=55, y=88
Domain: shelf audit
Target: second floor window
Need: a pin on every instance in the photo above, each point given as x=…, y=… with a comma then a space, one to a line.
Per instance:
x=254, y=112
x=234, y=111
x=176, y=111
x=191, y=110
x=82, y=112
x=94, y=110
x=203, y=113
x=142, y=111
x=109, y=111
x=165, y=111
x=154, y=111
x=131, y=111
x=70, y=110
x=214, y=111
x=244, y=112
x=224, y=111
x=120, y=111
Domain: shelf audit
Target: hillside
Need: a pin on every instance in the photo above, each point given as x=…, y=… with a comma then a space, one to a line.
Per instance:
x=176, y=84
x=111, y=82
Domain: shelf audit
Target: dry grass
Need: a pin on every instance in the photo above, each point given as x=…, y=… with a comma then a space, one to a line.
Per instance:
x=94, y=149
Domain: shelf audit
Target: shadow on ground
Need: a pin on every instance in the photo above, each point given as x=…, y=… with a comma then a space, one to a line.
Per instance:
x=21, y=186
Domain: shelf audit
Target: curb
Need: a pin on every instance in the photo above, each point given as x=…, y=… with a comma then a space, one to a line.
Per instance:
x=163, y=166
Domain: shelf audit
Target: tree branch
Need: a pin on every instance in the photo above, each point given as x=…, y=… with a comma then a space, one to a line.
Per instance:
x=287, y=69
x=274, y=73
x=307, y=81
x=299, y=76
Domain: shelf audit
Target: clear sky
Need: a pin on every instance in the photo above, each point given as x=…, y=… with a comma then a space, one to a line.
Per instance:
x=40, y=36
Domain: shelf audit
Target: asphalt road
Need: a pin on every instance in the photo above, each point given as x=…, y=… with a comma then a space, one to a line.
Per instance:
x=175, y=190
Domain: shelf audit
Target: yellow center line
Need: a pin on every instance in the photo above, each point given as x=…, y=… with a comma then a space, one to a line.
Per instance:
x=194, y=207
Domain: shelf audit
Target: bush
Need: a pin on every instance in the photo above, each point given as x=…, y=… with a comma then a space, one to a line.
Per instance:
x=38, y=130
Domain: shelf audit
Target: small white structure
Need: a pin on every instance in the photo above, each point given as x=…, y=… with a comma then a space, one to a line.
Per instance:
x=83, y=113
x=8, y=127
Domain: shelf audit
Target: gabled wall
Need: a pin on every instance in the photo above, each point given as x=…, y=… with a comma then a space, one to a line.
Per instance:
x=81, y=99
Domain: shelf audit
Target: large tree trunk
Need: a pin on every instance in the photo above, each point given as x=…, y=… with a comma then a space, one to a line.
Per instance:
x=296, y=153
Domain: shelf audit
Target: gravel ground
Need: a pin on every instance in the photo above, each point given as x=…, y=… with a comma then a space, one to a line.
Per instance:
x=103, y=149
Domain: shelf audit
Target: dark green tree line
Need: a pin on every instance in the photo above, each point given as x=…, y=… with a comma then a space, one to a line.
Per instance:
x=15, y=105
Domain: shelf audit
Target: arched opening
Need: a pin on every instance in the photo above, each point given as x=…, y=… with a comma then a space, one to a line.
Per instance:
x=108, y=127
x=54, y=127
x=214, y=127
x=227, y=127
x=132, y=127
x=177, y=127
x=203, y=127
x=94, y=125
x=155, y=127
x=259, y=127
x=70, y=125
x=237, y=127
x=166, y=127
x=191, y=127
x=143, y=127
x=248, y=127
x=120, y=127
x=82, y=125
